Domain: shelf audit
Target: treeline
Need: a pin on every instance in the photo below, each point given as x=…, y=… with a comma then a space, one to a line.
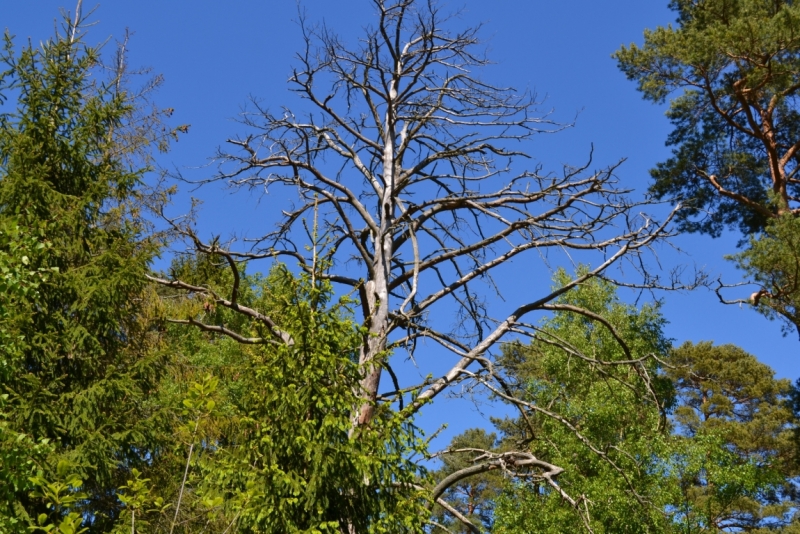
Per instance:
x=209, y=398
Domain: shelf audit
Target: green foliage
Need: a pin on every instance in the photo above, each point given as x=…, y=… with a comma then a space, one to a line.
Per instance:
x=79, y=368
x=733, y=458
x=736, y=121
x=139, y=499
x=202, y=367
x=773, y=262
x=737, y=130
x=20, y=456
x=19, y=283
x=294, y=464
x=718, y=488
x=608, y=430
x=729, y=464
x=113, y=421
x=19, y=452
x=60, y=497
x=267, y=435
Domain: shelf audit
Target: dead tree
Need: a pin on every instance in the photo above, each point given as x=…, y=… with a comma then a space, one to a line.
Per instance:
x=416, y=168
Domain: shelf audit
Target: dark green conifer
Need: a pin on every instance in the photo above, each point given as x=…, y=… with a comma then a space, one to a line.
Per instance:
x=82, y=366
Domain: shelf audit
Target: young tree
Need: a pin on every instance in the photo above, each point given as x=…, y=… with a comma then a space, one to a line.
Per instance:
x=414, y=167
x=81, y=368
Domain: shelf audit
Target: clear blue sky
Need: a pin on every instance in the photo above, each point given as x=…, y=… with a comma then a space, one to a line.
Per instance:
x=214, y=55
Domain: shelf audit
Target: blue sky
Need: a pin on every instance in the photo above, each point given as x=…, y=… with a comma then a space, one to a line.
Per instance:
x=215, y=55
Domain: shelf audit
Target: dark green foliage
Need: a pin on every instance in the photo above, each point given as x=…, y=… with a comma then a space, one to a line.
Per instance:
x=736, y=121
x=773, y=262
x=708, y=146
x=82, y=368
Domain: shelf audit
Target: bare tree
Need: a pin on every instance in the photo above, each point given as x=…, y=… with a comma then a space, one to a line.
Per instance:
x=415, y=167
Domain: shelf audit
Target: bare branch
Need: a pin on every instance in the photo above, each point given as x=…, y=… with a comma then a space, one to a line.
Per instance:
x=418, y=171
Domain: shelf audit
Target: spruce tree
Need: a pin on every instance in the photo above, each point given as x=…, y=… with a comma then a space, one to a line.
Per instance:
x=82, y=364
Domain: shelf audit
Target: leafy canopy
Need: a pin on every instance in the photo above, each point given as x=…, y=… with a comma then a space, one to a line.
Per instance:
x=605, y=425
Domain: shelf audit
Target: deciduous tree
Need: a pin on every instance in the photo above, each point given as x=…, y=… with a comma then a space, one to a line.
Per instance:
x=609, y=434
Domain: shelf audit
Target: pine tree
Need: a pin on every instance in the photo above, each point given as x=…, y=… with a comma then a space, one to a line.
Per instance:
x=731, y=68
x=734, y=454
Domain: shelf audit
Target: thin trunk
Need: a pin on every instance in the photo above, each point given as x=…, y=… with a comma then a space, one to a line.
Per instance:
x=185, y=475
